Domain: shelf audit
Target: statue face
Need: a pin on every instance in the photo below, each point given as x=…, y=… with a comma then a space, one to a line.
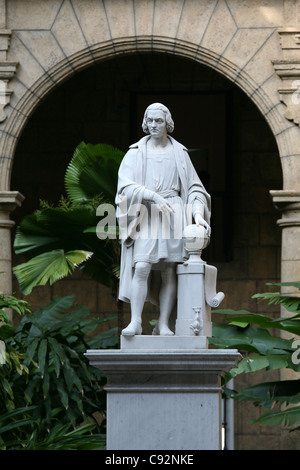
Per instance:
x=156, y=122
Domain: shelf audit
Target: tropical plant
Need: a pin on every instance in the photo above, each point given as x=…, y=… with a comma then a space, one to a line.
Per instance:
x=10, y=302
x=57, y=240
x=60, y=391
x=11, y=360
x=20, y=430
x=251, y=333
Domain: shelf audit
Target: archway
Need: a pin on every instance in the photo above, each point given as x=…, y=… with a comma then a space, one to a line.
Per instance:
x=71, y=65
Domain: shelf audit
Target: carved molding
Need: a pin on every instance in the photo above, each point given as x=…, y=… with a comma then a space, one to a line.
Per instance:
x=288, y=70
x=288, y=203
x=289, y=92
x=7, y=71
x=9, y=201
x=289, y=38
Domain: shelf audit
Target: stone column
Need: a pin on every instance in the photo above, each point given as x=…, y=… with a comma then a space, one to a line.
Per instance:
x=288, y=203
x=9, y=200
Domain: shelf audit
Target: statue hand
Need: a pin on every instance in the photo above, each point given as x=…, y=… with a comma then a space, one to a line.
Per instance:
x=200, y=221
x=162, y=203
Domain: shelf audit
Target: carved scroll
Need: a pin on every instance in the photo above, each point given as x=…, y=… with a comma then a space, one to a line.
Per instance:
x=212, y=298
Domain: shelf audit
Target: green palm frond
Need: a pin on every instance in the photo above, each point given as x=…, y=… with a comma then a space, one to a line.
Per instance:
x=92, y=172
x=48, y=267
x=48, y=236
x=287, y=417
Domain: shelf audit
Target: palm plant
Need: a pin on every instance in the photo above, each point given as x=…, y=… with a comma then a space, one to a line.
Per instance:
x=57, y=240
x=251, y=334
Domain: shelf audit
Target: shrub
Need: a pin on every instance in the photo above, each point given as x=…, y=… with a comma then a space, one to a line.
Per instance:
x=49, y=387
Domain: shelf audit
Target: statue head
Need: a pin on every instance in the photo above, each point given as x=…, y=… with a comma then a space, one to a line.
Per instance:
x=164, y=109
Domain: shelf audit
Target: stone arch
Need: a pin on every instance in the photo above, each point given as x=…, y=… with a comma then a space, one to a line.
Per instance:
x=130, y=45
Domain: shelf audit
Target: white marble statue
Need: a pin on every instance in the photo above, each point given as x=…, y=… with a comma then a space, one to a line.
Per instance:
x=158, y=189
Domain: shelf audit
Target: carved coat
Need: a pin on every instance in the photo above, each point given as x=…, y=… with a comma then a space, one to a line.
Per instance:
x=131, y=188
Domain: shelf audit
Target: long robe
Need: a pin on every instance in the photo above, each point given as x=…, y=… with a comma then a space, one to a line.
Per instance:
x=130, y=192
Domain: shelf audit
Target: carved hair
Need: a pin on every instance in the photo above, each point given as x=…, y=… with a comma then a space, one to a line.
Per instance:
x=161, y=107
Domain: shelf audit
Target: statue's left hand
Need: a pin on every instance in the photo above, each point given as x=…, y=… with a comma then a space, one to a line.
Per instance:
x=200, y=221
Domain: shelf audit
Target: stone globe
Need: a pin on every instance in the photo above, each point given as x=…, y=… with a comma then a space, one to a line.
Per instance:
x=195, y=238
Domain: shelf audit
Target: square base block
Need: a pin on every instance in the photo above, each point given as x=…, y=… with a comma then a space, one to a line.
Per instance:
x=163, y=400
x=152, y=342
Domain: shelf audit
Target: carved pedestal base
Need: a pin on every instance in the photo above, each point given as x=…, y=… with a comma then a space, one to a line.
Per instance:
x=163, y=400
x=151, y=342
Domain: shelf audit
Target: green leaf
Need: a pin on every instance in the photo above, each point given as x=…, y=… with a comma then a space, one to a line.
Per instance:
x=46, y=382
x=48, y=267
x=68, y=372
x=108, y=339
x=6, y=331
x=254, y=363
x=6, y=386
x=9, y=301
x=64, y=397
x=31, y=350
x=16, y=424
x=93, y=171
x=58, y=349
x=292, y=284
x=42, y=351
x=17, y=411
x=51, y=229
x=266, y=393
x=58, y=305
x=287, y=417
x=55, y=361
x=24, y=243
x=290, y=302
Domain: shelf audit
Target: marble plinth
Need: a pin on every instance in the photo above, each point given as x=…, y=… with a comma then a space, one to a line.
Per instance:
x=151, y=342
x=163, y=399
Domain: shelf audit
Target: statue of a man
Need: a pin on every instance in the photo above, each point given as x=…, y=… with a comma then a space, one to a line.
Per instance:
x=157, y=183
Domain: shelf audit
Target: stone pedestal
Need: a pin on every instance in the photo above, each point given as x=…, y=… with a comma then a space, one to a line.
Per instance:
x=196, y=295
x=196, y=289
x=163, y=399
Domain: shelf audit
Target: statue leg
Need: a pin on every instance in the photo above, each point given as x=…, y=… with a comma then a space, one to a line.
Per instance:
x=167, y=298
x=138, y=297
